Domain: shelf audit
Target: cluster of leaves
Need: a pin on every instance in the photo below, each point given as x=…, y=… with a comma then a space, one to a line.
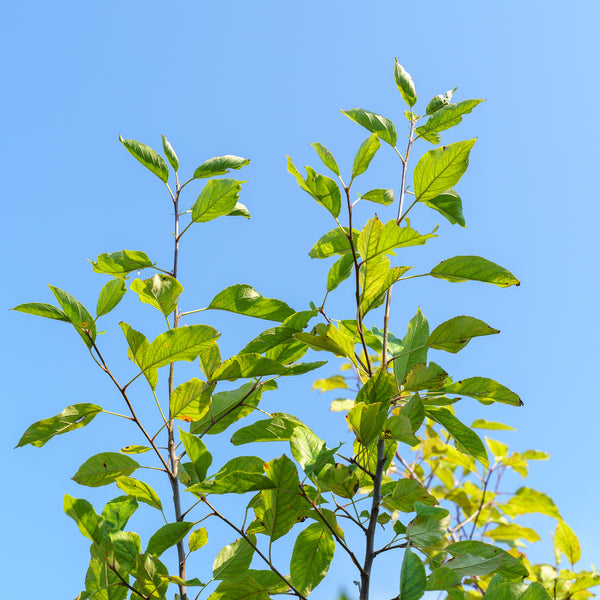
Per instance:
x=414, y=471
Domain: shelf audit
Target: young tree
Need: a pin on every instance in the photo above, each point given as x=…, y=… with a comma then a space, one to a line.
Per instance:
x=414, y=478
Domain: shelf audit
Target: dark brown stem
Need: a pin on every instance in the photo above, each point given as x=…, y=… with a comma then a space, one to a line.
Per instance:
x=246, y=537
x=481, y=504
x=365, y=576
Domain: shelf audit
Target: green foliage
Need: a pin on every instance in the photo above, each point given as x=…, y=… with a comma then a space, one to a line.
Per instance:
x=430, y=483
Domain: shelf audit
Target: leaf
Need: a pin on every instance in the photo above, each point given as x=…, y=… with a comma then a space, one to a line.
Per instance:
x=227, y=407
x=484, y=389
x=139, y=490
x=77, y=314
x=323, y=189
x=243, y=589
x=245, y=300
x=375, y=123
x=83, y=513
x=220, y=165
x=161, y=291
x=467, y=441
x=104, y=468
x=152, y=577
x=510, y=567
x=483, y=424
x=190, y=401
x=414, y=347
x=449, y=205
x=238, y=476
x=453, y=335
x=473, y=268
x=184, y=343
x=312, y=554
x=327, y=158
x=117, y=511
x=440, y=169
x=101, y=583
x=148, y=157
x=246, y=366
x=218, y=197
x=527, y=501
x=376, y=277
x=198, y=538
x=168, y=535
x=380, y=388
x=126, y=546
x=110, y=295
x=512, y=531
x=412, y=577
x=407, y=88
x=170, y=153
x=119, y=264
x=339, y=271
x=567, y=543
x=335, y=382
x=138, y=348
x=278, y=428
x=425, y=377
x=365, y=154
x=72, y=417
x=210, y=358
x=239, y=210
x=439, y=101
x=380, y=196
x=429, y=526
x=447, y=116
x=42, y=310
x=196, y=450
x=309, y=450
x=333, y=242
x=367, y=421
x=135, y=449
x=233, y=560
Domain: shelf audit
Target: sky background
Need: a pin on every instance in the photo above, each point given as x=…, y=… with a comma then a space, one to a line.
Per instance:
x=262, y=80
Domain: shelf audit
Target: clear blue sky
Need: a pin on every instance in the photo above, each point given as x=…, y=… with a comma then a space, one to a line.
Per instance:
x=263, y=80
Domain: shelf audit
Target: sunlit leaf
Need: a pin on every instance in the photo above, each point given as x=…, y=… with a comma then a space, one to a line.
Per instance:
x=77, y=314
x=198, y=538
x=380, y=196
x=405, y=84
x=323, y=189
x=170, y=153
x=484, y=389
x=327, y=158
x=566, y=541
x=220, y=165
x=168, y=535
x=233, y=560
x=110, y=295
x=449, y=205
x=119, y=264
x=453, y=335
x=148, y=157
x=190, y=401
x=473, y=268
x=104, y=468
x=140, y=491
x=245, y=300
x=333, y=242
x=375, y=123
x=161, y=291
x=312, y=554
x=218, y=197
x=365, y=155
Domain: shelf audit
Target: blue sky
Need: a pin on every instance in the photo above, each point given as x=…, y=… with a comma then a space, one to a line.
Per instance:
x=262, y=80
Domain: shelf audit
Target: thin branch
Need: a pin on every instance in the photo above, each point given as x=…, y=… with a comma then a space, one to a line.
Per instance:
x=410, y=470
x=394, y=547
x=487, y=480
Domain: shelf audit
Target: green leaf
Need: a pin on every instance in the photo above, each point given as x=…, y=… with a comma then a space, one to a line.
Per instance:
x=340, y=271
x=380, y=388
x=429, y=526
x=135, y=449
x=228, y=407
x=219, y=165
x=566, y=542
x=190, y=401
x=238, y=476
x=83, y=513
x=425, y=377
x=412, y=577
x=104, y=468
x=439, y=101
x=245, y=300
x=168, y=535
x=323, y=189
x=119, y=264
x=483, y=424
x=196, y=450
x=198, y=539
x=333, y=242
x=327, y=158
x=512, y=531
x=170, y=153
x=126, y=546
x=414, y=347
x=152, y=577
x=243, y=589
x=210, y=358
x=245, y=366
x=309, y=450
x=365, y=155
x=184, y=343
x=77, y=314
x=375, y=123
x=42, y=310
x=335, y=382
x=218, y=197
x=282, y=506
x=367, y=421
x=311, y=557
x=101, y=583
x=449, y=205
x=380, y=196
x=269, y=339
x=466, y=439
x=239, y=210
x=110, y=295
x=72, y=417
x=510, y=567
x=233, y=560
x=148, y=157
x=440, y=169
x=138, y=349
x=161, y=291
x=407, y=88
x=278, y=428
x=484, y=389
x=443, y=578
x=473, y=268
x=453, y=335
x=117, y=511
x=140, y=491
x=447, y=116
x=376, y=277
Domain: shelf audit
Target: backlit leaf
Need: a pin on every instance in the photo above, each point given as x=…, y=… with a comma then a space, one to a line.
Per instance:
x=110, y=295
x=168, y=535
x=380, y=196
x=190, y=401
x=198, y=538
x=170, y=153
x=219, y=165
x=104, y=468
x=449, y=205
x=439, y=101
x=448, y=116
x=375, y=123
x=148, y=157
x=405, y=84
x=119, y=264
x=412, y=577
x=311, y=557
x=233, y=560
x=245, y=300
x=245, y=366
x=333, y=242
x=527, y=501
x=140, y=491
x=327, y=158
x=566, y=541
x=510, y=567
x=42, y=310
x=484, y=389
x=473, y=268
x=197, y=452
x=323, y=189
x=77, y=314
x=278, y=428
x=453, y=335
x=340, y=271
x=161, y=291
x=365, y=155
x=83, y=513
x=414, y=347
x=218, y=197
